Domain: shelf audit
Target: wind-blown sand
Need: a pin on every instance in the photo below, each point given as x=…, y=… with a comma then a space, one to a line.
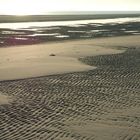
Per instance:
x=100, y=104
x=35, y=60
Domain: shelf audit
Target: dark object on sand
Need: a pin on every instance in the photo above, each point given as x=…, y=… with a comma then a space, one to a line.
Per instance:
x=52, y=54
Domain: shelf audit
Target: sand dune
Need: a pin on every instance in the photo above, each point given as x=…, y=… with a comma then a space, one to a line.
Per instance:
x=35, y=60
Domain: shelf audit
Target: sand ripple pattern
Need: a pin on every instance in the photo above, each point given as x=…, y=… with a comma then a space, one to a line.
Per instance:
x=101, y=104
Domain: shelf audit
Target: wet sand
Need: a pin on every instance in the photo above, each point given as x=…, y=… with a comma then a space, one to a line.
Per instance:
x=99, y=104
x=25, y=33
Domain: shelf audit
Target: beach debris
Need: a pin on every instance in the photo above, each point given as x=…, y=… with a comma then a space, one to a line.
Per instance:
x=52, y=54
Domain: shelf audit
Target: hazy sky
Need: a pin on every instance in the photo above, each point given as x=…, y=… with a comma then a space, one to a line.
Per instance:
x=44, y=6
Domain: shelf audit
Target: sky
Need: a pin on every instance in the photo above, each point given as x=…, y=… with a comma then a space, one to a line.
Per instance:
x=29, y=7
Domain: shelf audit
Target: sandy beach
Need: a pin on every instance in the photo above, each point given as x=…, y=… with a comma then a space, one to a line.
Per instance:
x=71, y=90
x=37, y=60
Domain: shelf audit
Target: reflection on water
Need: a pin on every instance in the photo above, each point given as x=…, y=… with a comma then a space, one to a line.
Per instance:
x=65, y=23
x=36, y=34
x=62, y=36
x=76, y=31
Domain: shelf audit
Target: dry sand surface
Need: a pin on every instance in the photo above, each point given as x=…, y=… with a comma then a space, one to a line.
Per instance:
x=99, y=104
x=35, y=60
x=4, y=99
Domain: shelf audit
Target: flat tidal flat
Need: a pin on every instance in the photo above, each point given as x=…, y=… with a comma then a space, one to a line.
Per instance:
x=100, y=104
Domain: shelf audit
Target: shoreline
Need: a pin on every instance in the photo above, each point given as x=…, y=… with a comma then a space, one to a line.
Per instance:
x=36, y=60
